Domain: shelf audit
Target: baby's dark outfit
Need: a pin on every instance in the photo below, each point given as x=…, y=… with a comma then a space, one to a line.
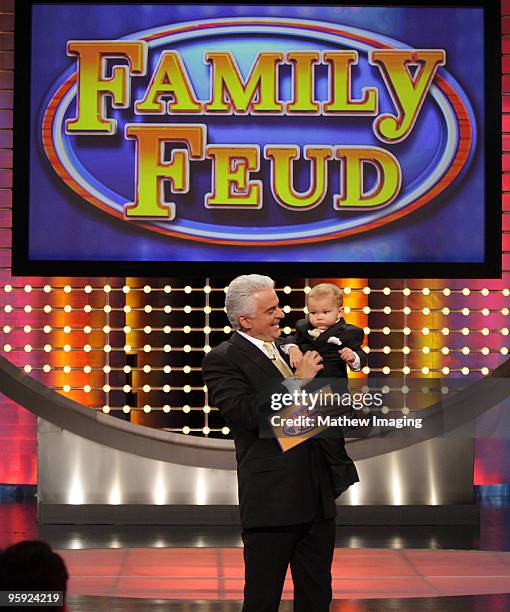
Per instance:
x=342, y=469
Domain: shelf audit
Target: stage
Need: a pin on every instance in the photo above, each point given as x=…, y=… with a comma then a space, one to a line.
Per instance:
x=375, y=568
x=216, y=574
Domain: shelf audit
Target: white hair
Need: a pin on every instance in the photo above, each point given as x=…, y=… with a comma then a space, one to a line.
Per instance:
x=239, y=296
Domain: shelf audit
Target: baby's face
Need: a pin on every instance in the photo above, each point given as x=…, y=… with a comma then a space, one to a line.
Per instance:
x=323, y=312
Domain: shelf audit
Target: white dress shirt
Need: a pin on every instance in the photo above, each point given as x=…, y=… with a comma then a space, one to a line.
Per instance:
x=292, y=384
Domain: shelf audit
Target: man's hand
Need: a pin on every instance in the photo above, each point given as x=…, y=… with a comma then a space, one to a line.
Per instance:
x=347, y=355
x=309, y=365
x=295, y=356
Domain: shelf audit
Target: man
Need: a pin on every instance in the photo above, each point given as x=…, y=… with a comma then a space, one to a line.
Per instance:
x=286, y=500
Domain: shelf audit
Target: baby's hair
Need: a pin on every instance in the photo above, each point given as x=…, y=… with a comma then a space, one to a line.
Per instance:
x=326, y=290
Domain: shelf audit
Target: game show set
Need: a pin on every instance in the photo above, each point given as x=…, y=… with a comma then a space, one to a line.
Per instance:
x=255, y=306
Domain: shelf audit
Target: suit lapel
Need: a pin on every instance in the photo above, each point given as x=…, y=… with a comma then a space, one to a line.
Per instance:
x=283, y=356
x=255, y=355
x=334, y=330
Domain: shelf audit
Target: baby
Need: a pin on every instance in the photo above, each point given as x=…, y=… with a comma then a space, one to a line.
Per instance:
x=339, y=344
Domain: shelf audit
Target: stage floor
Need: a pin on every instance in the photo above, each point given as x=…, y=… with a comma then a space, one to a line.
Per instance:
x=483, y=603
x=217, y=573
x=190, y=569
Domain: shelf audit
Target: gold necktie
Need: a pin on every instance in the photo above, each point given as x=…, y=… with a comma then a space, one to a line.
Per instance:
x=277, y=360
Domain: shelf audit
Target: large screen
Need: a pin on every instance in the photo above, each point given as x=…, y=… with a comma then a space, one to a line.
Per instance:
x=153, y=139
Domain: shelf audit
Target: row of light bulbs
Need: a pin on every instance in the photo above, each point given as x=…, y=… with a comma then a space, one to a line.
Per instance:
x=188, y=388
x=208, y=289
x=287, y=309
x=46, y=368
x=386, y=330
x=67, y=348
x=8, y=308
x=107, y=348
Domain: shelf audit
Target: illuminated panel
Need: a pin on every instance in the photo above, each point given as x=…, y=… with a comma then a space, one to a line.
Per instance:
x=326, y=175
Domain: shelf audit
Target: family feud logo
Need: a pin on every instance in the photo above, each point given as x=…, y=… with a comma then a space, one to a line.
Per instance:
x=170, y=111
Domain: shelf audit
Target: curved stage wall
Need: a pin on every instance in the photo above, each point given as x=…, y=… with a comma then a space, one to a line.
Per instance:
x=96, y=468
x=75, y=474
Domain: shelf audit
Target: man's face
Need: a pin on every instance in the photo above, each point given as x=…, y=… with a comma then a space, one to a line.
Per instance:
x=323, y=312
x=264, y=322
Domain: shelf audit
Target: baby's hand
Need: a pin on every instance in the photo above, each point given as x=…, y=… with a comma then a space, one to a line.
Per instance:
x=295, y=356
x=347, y=354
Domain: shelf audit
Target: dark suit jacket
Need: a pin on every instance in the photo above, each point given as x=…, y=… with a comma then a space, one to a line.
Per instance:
x=351, y=336
x=275, y=488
